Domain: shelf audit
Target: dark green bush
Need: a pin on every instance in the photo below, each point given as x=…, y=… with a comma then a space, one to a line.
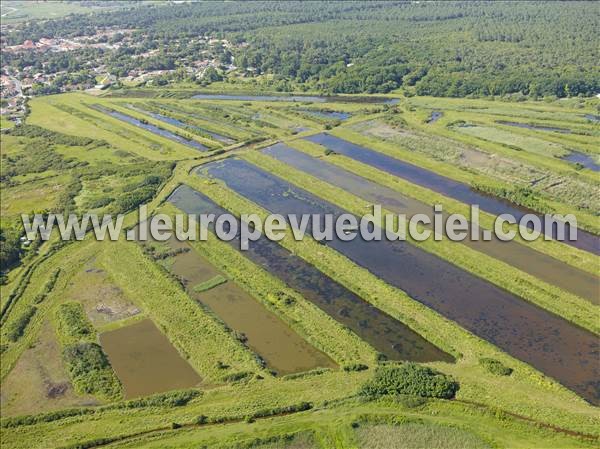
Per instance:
x=51, y=137
x=170, y=399
x=202, y=419
x=412, y=379
x=90, y=370
x=237, y=377
x=73, y=322
x=15, y=421
x=495, y=367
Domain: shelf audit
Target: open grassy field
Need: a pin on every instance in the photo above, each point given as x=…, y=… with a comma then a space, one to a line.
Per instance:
x=61, y=297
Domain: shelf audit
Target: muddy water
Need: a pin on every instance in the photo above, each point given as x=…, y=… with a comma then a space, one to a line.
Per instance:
x=145, y=361
x=282, y=349
x=151, y=128
x=441, y=184
x=297, y=98
x=554, y=346
x=383, y=332
x=520, y=256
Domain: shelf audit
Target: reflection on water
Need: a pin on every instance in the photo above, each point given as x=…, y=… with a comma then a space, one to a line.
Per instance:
x=153, y=129
x=330, y=115
x=547, y=342
x=435, y=116
x=535, y=127
x=145, y=361
x=180, y=124
x=584, y=159
x=383, y=332
x=441, y=184
x=520, y=256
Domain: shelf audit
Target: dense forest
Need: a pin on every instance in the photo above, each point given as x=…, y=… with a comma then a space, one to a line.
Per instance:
x=444, y=49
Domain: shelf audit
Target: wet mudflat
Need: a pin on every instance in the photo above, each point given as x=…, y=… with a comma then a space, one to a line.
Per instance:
x=151, y=128
x=282, y=349
x=441, y=184
x=537, y=264
x=145, y=361
x=298, y=98
x=547, y=342
x=386, y=334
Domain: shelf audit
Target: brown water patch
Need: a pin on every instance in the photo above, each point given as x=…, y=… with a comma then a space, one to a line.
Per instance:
x=386, y=334
x=145, y=361
x=549, y=343
x=280, y=347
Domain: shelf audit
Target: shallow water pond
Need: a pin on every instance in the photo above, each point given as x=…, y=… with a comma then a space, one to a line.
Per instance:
x=145, y=361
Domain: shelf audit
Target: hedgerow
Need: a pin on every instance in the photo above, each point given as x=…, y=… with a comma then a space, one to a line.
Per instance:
x=90, y=370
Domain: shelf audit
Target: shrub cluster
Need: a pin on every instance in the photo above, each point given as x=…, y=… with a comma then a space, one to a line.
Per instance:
x=412, y=379
x=90, y=370
x=355, y=367
x=495, y=367
x=170, y=399
x=522, y=196
x=72, y=322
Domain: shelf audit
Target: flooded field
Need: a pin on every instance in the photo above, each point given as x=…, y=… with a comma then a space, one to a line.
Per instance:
x=530, y=261
x=153, y=129
x=383, y=332
x=297, y=98
x=180, y=124
x=535, y=127
x=549, y=343
x=441, y=184
x=283, y=350
x=584, y=159
x=328, y=115
x=592, y=117
x=145, y=361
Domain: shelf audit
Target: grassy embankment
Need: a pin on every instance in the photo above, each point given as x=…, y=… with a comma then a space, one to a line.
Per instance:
x=505, y=276
x=316, y=326
x=578, y=258
x=524, y=383
x=77, y=118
